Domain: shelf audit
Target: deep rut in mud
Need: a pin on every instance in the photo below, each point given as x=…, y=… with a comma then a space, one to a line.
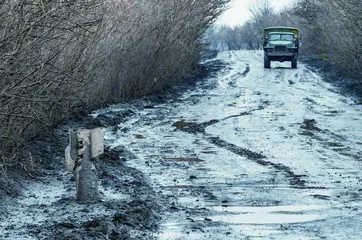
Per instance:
x=295, y=180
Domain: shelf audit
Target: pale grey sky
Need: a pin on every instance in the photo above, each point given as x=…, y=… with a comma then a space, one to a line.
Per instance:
x=239, y=14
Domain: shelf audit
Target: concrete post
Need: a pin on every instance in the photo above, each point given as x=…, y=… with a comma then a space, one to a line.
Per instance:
x=79, y=155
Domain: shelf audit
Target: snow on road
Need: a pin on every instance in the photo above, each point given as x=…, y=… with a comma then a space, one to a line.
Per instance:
x=252, y=153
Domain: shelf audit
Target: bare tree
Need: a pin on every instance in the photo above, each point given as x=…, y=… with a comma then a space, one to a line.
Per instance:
x=61, y=57
x=261, y=10
x=334, y=38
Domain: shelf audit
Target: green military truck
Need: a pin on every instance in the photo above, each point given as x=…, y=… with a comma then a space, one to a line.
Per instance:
x=281, y=44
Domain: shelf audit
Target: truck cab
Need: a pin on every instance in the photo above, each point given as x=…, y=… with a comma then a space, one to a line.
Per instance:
x=281, y=44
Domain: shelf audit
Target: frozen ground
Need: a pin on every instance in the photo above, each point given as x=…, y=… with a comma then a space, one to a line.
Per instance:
x=253, y=153
x=248, y=153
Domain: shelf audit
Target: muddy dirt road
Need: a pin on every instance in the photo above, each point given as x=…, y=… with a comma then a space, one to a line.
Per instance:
x=252, y=153
x=247, y=153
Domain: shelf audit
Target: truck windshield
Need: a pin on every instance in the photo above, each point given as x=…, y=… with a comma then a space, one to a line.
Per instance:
x=280, y=37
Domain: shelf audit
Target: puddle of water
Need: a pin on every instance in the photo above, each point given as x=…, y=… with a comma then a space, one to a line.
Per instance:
x=267, y=215
x=266, y=218
x=269, y=209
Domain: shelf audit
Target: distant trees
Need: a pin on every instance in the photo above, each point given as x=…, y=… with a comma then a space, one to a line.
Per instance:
x=248, y=36
x=224, y=38
x=58, y=57
x=263, y=14
x=330, y=29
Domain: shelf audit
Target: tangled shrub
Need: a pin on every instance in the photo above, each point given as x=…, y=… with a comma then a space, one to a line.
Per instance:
x=62, y=56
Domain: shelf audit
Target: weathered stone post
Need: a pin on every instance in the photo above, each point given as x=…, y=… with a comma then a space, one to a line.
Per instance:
x=85, y=145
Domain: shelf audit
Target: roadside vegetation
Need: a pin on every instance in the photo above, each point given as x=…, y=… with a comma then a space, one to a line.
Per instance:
x=331, y=31
x=60, y=58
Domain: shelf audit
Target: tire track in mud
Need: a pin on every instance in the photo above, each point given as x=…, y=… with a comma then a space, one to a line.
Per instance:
x=235, y=77
x=295, y=180
x=246, y=71
x=328, y=139
x=247, y=68
x=193, y=128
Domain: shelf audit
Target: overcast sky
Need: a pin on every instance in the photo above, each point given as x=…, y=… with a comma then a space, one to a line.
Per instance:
x=239, y=14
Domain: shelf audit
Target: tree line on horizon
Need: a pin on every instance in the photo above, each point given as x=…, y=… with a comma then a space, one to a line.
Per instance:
x=330, y=30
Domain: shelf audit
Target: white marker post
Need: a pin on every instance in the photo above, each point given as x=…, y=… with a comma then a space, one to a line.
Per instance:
x=85, y=146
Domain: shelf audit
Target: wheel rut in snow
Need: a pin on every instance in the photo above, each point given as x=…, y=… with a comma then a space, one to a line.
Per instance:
x=235, y=77
x=237, y=150
x=295, y=180
x=192, y=127
x=247, y=70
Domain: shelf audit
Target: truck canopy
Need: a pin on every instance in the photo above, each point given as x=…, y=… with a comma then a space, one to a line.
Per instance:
x=294, y=31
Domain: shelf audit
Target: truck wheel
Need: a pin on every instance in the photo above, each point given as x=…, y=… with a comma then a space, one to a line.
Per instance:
x=266, y=62
x=294, y=61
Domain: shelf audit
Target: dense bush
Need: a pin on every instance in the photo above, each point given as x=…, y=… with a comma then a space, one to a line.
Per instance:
x=58, y=57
